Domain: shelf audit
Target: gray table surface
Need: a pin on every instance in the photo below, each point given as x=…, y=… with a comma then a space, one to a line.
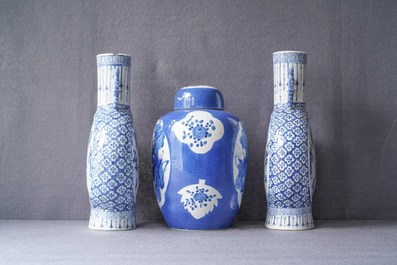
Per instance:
x=70, y=242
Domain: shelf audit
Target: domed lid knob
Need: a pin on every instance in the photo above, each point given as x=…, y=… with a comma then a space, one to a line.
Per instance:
x=198, y=97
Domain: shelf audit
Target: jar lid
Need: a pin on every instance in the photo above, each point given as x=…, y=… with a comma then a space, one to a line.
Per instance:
x=198, y=97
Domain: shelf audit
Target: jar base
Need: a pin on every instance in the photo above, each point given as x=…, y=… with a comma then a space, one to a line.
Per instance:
x=111, y=221
x=198, y=226
x=192, y=229
x=289, y=219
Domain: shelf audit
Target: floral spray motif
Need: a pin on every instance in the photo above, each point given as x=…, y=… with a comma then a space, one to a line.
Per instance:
x=199, y=130
x=199, y=199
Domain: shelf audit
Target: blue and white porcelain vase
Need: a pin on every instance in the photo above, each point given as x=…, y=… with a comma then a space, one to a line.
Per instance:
x=290, y=158
x=112, y=159
x=199, y=161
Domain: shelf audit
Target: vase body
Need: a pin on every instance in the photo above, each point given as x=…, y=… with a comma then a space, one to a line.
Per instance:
x=112, y=157
x=290, y=158
x=199, y=161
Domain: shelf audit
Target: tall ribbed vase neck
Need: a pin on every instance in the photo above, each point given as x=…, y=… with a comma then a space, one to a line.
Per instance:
x=285, y=65
x=113, y=79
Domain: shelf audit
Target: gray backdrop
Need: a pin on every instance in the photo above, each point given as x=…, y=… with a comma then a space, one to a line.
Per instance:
x=48, y=93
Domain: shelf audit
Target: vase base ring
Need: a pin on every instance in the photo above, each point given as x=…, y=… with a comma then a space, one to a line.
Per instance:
x=293, y=221
x=111, y=221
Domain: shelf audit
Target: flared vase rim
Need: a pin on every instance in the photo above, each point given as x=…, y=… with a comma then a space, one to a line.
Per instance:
x=278, y=52
x=113, y=54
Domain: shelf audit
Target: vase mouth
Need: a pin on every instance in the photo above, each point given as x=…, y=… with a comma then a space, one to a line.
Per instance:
x=113, y=54
x=111, y=59
x=289, y=52
x=294, y=57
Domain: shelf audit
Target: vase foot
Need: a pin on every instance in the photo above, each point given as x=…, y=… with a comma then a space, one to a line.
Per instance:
x=111, y=221
x=289, y=219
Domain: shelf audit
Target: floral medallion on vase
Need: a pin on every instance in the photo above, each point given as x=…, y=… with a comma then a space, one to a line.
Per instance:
x=199, y=199
x=199, y=130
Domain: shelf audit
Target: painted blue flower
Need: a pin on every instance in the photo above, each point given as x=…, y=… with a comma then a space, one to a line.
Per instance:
x=201, y=196
x=199, y=130
x=199, y=199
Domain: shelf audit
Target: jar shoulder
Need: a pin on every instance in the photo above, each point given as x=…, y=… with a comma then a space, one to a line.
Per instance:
x=176, y=115
x=218, y=121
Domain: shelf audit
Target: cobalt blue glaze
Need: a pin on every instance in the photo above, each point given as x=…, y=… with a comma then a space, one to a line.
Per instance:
x=203, y=98
x=199, y=161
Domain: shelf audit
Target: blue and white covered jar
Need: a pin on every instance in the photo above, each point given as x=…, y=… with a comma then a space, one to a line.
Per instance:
x=199, y=161
x=112, y=159
x=290, y=175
